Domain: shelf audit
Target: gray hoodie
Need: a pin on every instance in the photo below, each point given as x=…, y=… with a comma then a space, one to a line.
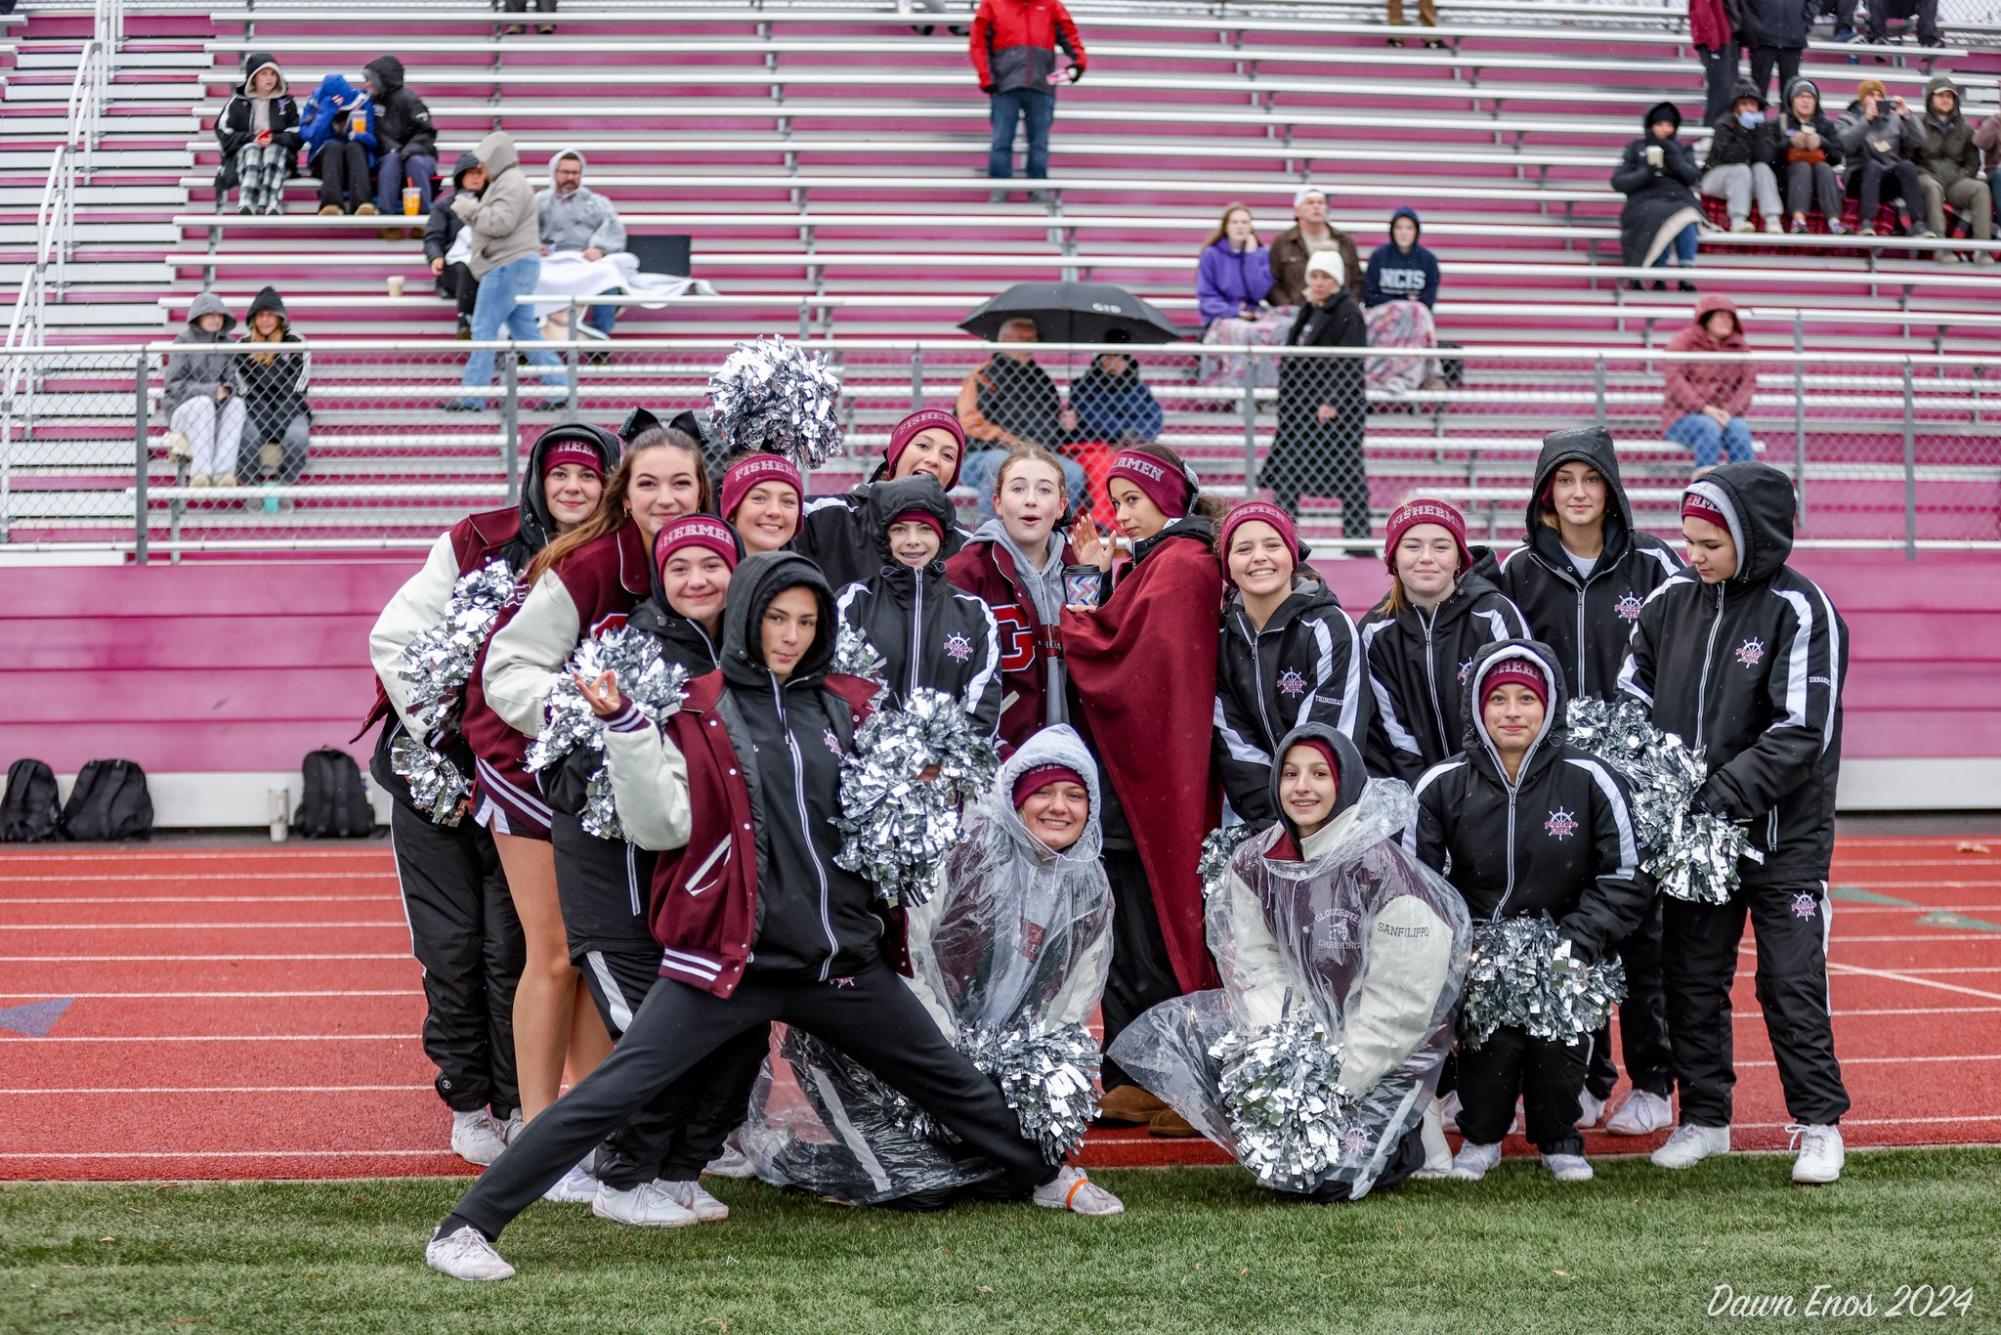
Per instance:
x=1882, y=140
x=580, y=219
x=196, y=374
x=1045, y=587
x=502, y=216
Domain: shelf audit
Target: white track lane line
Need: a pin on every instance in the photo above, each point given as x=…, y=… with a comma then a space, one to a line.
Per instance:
x=176, y=959
x=200, y=899
x=195, y=854
x=206, y=1090
x=415, y=994
x=214, y=1038
x=441, y=1152
x=179, y=926
x=1911, y=977
x=126, y=879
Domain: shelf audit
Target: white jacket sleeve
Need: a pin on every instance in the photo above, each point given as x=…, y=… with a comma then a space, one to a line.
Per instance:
x=649, y=783
x=416, y=608
x=1256, y=971
x=526, y=656
x=1410, y=956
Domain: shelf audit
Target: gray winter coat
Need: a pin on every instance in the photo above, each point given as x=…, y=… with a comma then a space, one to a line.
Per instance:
x=502, y=218
x=193, y=375
x=579, y=220
x=1883, y=140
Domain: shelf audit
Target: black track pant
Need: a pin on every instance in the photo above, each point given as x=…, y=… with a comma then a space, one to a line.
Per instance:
x=1141, y=974
x=1643, y=1036
x=1699, y=958
x=1548, y=1077
x=676, y=1135
x=1404, y=1160
x=872, y=1016
x=464, y=932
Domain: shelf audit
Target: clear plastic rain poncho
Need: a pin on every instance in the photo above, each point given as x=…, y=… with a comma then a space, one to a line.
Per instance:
x=1009, y=955
x=1340, y=974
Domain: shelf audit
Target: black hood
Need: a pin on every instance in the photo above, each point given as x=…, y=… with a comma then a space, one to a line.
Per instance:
x=757, y=581
x=1346, y=758
x=919, y=491
x=1590, y=445
x=1476, y=740
x=1758, y=501
x=1660, y=111
x=1745, y=88
x=467, y=161
x=537, y=525
x=267, y=300
x=387, y=72
x=255, y=61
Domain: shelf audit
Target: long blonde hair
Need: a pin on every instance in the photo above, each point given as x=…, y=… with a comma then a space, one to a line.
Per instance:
x=614, y=509
x=277, y=335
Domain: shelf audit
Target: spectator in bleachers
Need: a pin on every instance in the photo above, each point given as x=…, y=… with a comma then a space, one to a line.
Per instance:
x=277, y=424
x=407, y=145
x=1232, y=281
x=572, y=216
x=338, y=126
x=1427, y=14
x=202, y=395
x=1401, y=269
x=1009, y=401
x=455, y=280
x=1013, y=48
x=1661, y=212
x=1809, y=151
x=1310, y=234
x=1877, y=30
x=1741, y=152
x=1880, y=139
x=1113, y=405
x=258, y=132
x=521, y=7
x=1401, y=285
x=1715, y=27
x=1988, y=140
x=1323, y=403
x=1949, y=167
x=505, y=259
x=1778, y=30
x=1706, y=401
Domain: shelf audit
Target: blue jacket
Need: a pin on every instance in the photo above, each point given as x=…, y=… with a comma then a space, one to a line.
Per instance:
x=1397, y=275
x=1117, y=410
x=1229, y=280
x=328, y=113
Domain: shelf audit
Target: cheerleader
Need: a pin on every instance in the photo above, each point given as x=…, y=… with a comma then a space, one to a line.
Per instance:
x=760, y=500
x=1014, y=563
x=759, y=924
x=1323, y=917
x=930, y=634
x=1288, y=656
x=1144, y=670
x=581, y=585
x=1524, y=824
x=1744, y=657
x=1418, y=643
x=835, y=533
x=463, y=927
x=1580, y=577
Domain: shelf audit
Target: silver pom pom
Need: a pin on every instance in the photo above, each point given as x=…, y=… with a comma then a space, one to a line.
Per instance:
x=896, y=828
x=1291, y=1119
x=1524, y=975
x=655, y=686
x=854, y=656
x=437, y=786
x=1046, y=1076
x=437, y=663
x=776, y=396
x=1218, y=847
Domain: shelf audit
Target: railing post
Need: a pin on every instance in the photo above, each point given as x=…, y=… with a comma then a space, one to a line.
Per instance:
x=916, y=379
x=1910, y=468
x=140, y=429
x=575, y=356
x=1799, y=416
x=510, y=423
x=805, y=320
x=1598, y=387
x=1249, y=366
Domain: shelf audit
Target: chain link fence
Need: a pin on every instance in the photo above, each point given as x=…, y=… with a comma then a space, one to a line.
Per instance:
x=379, y=446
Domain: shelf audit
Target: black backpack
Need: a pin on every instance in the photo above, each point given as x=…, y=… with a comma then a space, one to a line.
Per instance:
x=334, y=804
x=109, y=801
x=32, y=810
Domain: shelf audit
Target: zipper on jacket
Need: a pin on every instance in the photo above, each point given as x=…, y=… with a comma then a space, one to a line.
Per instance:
x=1258, y=690
x=916, y=631
x=1514, y=788
x=1431, y=680
x=1708, y=654
x=806, y=829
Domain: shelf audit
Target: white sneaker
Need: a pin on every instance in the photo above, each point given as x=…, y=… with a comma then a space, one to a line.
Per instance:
x=1642, y=1114
x=1071, y=1190
x=1772, y=226
x=1448, y=1111
x=1821, y=1153
x=648, y=1205
x=1690, y=1145
x=732, y=1162
x=510, y=1130
x=1473, y=1161
x=1742, y=225
x=1589, y=1109
x=576, y=1187
x=476, y=1137
x=1568, y=1167
x=465, y=1254
x=690, y=1196
x=1437, y=1153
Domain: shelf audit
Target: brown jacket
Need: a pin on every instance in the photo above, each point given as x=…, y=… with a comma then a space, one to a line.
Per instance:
x=1289, y=255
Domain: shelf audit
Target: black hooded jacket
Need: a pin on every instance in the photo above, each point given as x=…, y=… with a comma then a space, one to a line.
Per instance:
x=1654, y=195
x=1733, y=145
x=1559, y=840
x=442, y=227
x=1750, y=670
x=1418, y=662
x=929, y=633
x=403, y=122
x=1586, y=619
x=1351, y=778
x=274, y=390
x=1304, y=667
x=233, y=124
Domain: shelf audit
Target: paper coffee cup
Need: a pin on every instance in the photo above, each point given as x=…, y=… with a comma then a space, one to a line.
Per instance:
x=395, y=285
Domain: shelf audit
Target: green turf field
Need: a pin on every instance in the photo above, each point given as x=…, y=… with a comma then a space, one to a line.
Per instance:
x=1200, y=1249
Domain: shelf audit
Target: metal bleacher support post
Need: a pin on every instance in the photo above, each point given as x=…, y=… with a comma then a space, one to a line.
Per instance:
x=916, y=379
x=141, y=428
x=1250, y=408
x=1910, y=468
x=510, y=423
x=1799, y=415
x=1598, y=388
x=573, y=358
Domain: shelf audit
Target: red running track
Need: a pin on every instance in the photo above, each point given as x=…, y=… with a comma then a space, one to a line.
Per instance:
x=186, y=1012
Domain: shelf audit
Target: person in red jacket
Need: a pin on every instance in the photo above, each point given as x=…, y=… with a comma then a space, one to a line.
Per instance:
x=1705, y=402
x=1014, y=52
x=1713, y=26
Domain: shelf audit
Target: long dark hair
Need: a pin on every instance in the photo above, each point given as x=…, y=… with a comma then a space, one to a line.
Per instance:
x=614, y=509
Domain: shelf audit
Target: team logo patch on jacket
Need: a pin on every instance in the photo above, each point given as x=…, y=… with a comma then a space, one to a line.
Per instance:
x=1290, y=683
x=1561, y=824
x=1465, y=671
x=958, y=647
x=1628, y=607
x=1751, y=652
x=833, y=742
x=1804, y=905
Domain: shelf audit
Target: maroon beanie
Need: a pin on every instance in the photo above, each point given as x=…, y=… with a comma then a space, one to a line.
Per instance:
x=1163, y=484
x=571, y=452
x=1041, y=776
x=748, y=473
x=1701, y=507
x=1422, y=511
x=924, y=419
x=1261, y=512
x=696, y=530
x=1516, y=672
x=1326, y=749
x=918, y=515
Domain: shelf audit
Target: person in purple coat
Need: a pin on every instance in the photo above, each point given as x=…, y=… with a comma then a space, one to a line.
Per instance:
x=1231, y=284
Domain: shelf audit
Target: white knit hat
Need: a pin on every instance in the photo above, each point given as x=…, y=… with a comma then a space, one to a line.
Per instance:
x=1329, y=263
x=1301, y=195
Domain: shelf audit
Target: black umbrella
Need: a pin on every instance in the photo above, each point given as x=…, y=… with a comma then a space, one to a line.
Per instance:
x=1073, y=313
